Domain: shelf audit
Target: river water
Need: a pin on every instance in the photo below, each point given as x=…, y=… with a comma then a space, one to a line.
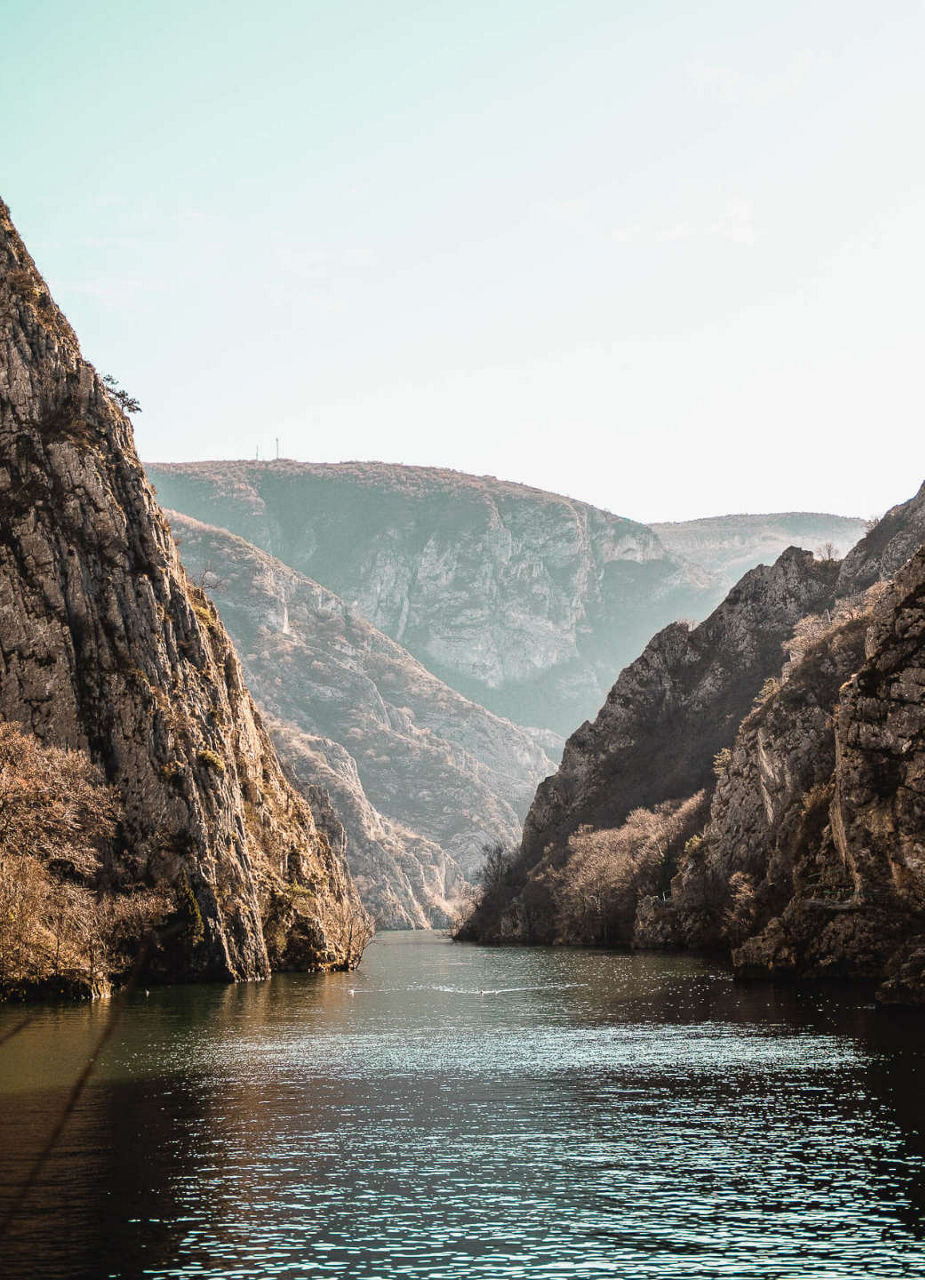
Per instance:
x=453, y=1111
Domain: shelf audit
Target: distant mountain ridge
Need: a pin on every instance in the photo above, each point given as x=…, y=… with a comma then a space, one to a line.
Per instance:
x=728, y=546
x=524, y=601
x=527, y=602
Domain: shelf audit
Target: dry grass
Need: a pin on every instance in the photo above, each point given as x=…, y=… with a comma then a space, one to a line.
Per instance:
x=57, y=928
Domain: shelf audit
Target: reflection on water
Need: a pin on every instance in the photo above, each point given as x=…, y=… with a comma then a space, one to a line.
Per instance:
x=459, y=1111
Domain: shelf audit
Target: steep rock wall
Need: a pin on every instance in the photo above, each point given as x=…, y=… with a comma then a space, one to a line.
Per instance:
x=105, y=645
x=813, y=861
x=666, y=717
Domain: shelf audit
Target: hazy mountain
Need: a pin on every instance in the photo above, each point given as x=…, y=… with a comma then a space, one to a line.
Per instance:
x=728, y=546
x=525, y=601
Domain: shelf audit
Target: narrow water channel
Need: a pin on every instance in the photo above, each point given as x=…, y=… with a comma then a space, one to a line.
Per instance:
x=455, y=1111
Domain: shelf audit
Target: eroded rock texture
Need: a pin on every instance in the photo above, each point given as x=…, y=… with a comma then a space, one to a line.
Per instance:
x=813, y=862
x=421, y=776
x=105, y=645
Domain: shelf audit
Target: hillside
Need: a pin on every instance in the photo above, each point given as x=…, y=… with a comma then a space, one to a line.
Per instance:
x=421, y=777
x=811, y=862
x=107, y=648
x=655, y=737
x=526, y=602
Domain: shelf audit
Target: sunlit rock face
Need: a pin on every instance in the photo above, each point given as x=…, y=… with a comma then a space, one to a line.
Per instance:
x=107, y=646
x=422, y=777
x=819, y=815
x=812, y=861
x=525, y=601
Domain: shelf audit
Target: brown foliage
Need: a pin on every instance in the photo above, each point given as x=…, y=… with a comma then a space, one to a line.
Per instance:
x=56, y=816
x=609, y=872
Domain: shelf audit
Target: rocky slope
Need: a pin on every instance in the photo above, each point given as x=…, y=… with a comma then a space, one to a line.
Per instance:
x=524, y=601
x=813, y=861
x=886, y=548
x=106, y=646
x=664, y=720
x=421, y=776
x=728, y=546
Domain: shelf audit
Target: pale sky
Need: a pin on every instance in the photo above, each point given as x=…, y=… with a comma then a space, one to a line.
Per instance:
x=665, y=257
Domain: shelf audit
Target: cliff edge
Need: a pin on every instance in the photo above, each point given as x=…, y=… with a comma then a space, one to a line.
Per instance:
x=107, y=647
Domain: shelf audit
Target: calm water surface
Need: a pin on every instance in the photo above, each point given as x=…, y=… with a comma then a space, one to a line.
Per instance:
x=457, y=1111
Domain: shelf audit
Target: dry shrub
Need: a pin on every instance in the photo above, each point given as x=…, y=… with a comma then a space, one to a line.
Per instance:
x=56, y=926
x=610, y=871
x=740, y=914
x=55, y=815
x=812, y=632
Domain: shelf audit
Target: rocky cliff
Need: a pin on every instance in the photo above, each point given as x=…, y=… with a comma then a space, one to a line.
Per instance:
x=886, y=547
x=813, y=861
x=422, y=777
x=664, y=720
x=106, y=646
x=524, y=601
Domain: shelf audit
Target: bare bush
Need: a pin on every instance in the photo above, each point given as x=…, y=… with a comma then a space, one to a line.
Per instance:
x=58, y=925
x=610, y=871
x=811, y=632
x=740, y=914
x=55, y=816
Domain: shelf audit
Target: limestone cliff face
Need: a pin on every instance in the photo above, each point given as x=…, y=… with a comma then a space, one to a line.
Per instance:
x=886, y=547
x=526, y=602
x=678, y=704
x=105, y=645
x=766, y=837
x=878, y=813
x=405, y=880
x=421, y=776
x=813, y=861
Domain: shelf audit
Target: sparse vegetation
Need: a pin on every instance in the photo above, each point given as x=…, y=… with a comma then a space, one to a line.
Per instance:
x=721, y=761
x=767, y=691
x=609, y=872
x=211, y=759
x=128, y=404
x=60, y=930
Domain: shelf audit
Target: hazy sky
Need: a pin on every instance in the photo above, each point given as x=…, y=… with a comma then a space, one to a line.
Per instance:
x=662, y=256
